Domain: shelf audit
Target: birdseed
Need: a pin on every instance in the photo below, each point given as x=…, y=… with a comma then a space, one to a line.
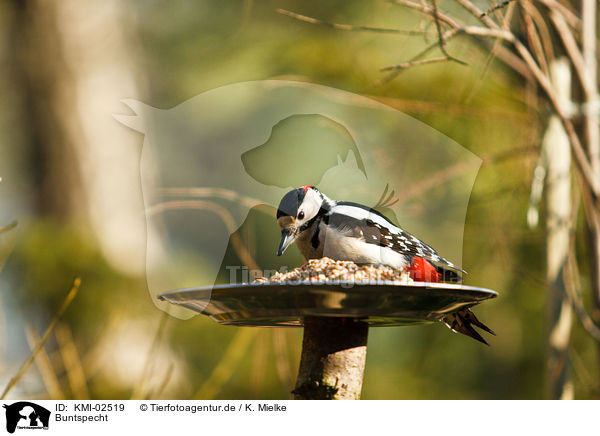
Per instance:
x=326, y=269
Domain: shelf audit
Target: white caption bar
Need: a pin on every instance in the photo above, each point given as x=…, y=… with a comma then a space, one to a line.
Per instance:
x=22, y=417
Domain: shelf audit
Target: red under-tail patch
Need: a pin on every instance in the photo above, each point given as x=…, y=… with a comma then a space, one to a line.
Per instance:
x=306, y=187
x=423, y=271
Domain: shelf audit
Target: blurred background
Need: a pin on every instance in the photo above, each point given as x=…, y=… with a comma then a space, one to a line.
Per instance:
x=71, y=200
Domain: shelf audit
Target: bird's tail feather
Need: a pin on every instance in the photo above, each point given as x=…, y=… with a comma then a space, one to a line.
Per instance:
x=448, y=275
x=463, y=322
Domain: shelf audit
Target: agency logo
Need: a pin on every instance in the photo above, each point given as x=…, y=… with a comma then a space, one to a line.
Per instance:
x=26, y=415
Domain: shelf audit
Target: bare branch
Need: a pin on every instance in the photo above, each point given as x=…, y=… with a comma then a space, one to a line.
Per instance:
x=349, y=27
x=204, y=192
x=534, y=39
x=573, y=287
x=446, y=36
x=428, y=11
x=572, y=49
x=488, y=33
x=494, y=31
x=57, y=316
x=441, y=39
x=231, y=358
x=543, y=80
x=570, y=17
x=496, y=8
x=493, y=52
x=588, y=46
x=580, y=156
x=414, y=63
x=453, y=109
x=542, y=27
x=478, y=13
x=509, y=58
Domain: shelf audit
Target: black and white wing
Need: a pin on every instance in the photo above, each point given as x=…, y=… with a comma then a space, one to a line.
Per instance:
x=374, y=228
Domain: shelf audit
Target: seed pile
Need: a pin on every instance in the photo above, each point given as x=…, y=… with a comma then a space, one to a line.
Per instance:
x=326, y=269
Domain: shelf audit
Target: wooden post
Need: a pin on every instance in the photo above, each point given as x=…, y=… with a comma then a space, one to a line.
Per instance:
x=332, y=364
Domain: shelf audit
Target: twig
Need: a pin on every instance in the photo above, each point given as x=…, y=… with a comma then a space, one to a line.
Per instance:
x=59, y=313
x=591, y=135
x=544, y=82
x=456, y=109
x=446, y=36
x=469, y=30
x=225, y=194
x=578, y=152
x=421, y=186
x=349, y=27
x=496, y=8
x=588, y=47
x=229, y=361
x=416, y=189
x=395, y=70
x=542, y=27
x=534, y=39
x=282, y=362
x=428, y=11
x=259, y=361
x=497, y=12
x=488, y=33
x=138, y=391
x=165, y=382
x=509, y=58
x=441, y=39
x=72, y=362
x=406, y=65
x=572, y=285
x=493, y=30
x=573, y=51
x=478, y=13
x=44, y=366
x=571, y=17
x=493, y=52
x=581, y=372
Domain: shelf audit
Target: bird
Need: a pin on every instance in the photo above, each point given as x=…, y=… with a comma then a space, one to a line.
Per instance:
x=344, y=230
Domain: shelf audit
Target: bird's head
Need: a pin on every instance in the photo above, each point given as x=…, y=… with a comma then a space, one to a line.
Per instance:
x=297, y=212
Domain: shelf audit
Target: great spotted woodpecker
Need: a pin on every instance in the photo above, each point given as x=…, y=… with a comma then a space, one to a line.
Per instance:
x=342, y=230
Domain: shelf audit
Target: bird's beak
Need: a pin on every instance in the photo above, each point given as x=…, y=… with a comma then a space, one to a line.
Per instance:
x=287, y=237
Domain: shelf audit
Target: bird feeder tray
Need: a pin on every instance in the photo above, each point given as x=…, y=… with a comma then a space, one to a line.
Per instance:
x=384, y=303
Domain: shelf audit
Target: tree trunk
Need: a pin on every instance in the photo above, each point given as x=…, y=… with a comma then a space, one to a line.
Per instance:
x=72, y=62
x=592, y=137
x=557, y=156
x=334, y=351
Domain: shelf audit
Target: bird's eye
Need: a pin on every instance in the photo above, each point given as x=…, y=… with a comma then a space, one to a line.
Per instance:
x=300, y=215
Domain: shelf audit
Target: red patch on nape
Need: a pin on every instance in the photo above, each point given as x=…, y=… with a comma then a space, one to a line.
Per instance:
x=306, y=187
x=423, y=271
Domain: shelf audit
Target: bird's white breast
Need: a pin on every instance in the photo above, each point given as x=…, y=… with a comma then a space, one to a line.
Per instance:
x=338, y=245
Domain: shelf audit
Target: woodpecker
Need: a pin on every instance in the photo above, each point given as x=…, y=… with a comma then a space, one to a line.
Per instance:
x=343, y=230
